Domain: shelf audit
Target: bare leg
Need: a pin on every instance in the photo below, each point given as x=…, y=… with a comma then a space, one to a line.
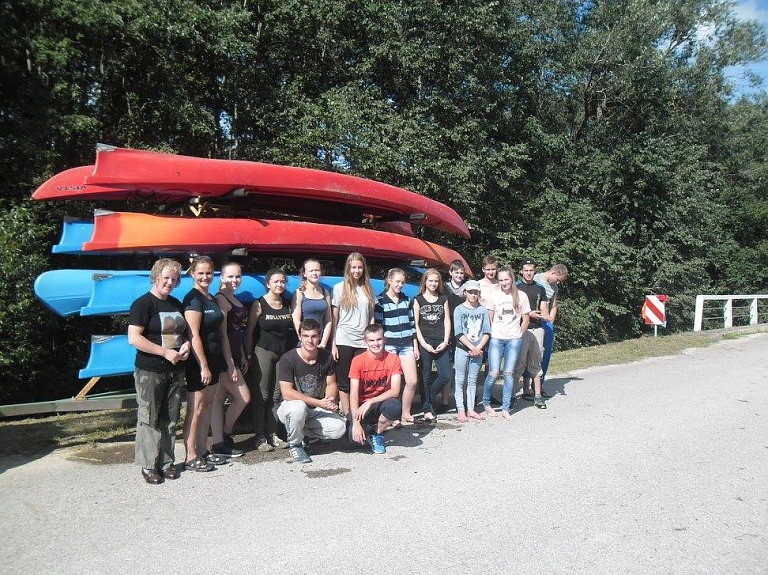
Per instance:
x=203, y=419
x=411, y=376
x=241, y=397
x=217, y=411
x=191, y=421
x=383, y=424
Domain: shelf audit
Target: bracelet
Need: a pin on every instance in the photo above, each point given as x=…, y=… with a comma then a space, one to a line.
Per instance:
x=249, y=356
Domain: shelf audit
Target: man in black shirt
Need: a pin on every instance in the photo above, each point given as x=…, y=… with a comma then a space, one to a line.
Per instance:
x=529, y=360
x=310, y=394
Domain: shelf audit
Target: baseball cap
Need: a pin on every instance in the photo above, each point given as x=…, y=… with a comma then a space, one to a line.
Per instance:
x=472, y=285
x=528, y=261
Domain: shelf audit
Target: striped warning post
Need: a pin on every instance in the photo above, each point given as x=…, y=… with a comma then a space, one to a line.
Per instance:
x=654, y=312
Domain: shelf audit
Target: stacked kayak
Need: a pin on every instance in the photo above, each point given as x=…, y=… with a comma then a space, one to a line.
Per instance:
x=111, y=292
x=233, y=207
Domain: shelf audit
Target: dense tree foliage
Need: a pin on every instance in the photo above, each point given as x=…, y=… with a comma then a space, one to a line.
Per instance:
x=599, y=134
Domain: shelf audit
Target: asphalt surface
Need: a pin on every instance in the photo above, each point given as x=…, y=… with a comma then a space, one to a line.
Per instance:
x=655, y=467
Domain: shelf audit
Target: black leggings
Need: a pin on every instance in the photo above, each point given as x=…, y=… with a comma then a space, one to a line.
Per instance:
x=346, y=354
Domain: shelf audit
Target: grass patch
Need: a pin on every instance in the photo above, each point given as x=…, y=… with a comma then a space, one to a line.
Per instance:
x=32, y=436
x=627, y=351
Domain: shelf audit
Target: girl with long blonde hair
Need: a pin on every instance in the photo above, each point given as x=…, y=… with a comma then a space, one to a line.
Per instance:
x=508, y=310
x=352, y=302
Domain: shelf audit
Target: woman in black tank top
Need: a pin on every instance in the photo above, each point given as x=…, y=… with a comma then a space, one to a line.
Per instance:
x=276, y=335
x=235, y=314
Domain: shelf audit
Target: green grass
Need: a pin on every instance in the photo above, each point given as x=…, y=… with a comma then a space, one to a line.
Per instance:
x=627, y=351
x=31, y=436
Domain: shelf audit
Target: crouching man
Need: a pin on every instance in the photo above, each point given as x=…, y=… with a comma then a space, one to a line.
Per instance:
x=375, y=378
x=310, y=395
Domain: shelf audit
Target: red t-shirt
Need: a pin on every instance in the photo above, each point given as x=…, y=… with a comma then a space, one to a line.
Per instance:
x=375, y=375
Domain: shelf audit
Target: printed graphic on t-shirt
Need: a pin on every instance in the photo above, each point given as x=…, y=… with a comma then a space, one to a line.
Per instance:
x=308, y=384
x=277, y=317
x=507, y=310
x=173, y=328
x=374, y=387
x=432, y=312
x=471, y=327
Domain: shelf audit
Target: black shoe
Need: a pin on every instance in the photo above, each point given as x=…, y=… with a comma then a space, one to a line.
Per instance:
x=527, y=396
x=170, y=472
x=224, y=450
x=151, y=476
x=545, y=395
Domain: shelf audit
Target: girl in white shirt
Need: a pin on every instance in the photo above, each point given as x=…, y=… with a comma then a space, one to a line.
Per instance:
x=508, y=310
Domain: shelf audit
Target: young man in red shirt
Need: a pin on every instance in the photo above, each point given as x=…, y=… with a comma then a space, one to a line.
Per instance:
x=375, y=378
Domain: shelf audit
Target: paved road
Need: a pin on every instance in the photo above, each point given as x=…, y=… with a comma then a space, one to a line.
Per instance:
x=655, y=467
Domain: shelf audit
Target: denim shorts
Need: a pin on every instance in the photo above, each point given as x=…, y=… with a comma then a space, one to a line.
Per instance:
x=400, y=350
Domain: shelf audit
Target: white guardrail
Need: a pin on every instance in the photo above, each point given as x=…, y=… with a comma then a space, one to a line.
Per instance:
x=727, y=309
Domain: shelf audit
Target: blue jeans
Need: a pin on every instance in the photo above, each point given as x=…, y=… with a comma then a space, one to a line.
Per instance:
x=443, y=362
x=549, y=343
x=508, y=350
x=467, y=369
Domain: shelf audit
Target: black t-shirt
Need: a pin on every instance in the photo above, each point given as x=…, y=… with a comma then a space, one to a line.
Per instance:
x=432, y=317
x=163, y=323
x=307, y=378
x=195, y=300
x=536, y=294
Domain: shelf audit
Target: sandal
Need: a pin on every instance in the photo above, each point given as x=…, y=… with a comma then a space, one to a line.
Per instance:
x=396, y=424
x=429, y=417
x=198, y=464
x=472, y=414
x=490, y=412
x=214, y=459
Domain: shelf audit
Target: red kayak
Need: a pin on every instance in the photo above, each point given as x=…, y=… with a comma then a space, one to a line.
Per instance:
x=127, y=232
x=124, y=174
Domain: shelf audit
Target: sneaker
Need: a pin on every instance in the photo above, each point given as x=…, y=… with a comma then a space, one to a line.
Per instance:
x=225, y=450
x=299, y=454
x=275, y=441
x=540, y=403
x=263, y=445
x=376, y=440
x=214, y=459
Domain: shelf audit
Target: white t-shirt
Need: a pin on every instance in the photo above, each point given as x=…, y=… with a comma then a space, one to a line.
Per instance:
x=352, y=321
x=506, y=319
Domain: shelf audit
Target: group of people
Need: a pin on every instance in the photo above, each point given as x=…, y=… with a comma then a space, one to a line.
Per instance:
x=326, y=363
